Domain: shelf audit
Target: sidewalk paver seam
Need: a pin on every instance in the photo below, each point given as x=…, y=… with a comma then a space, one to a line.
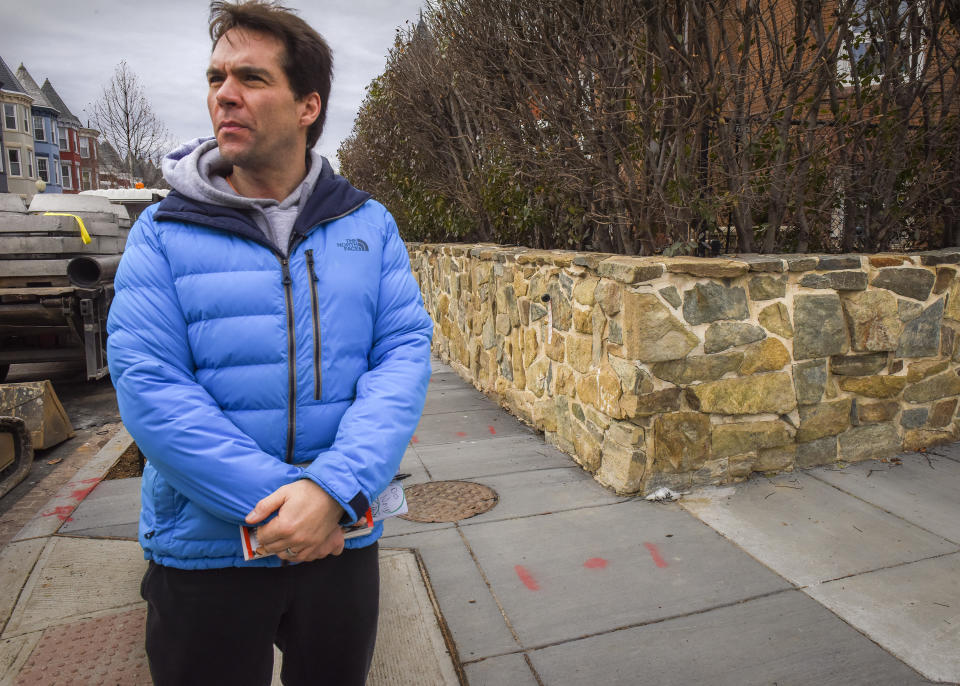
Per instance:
x=881, y=569
x=491, y=520
x=882, y=509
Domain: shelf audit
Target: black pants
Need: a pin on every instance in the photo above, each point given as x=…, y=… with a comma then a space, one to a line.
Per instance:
x=218, y=626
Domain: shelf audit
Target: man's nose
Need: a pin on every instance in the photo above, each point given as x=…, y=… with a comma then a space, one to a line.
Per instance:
x=227, y=93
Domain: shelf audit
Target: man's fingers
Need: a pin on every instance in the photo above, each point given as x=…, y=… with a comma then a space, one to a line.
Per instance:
x=266, y=507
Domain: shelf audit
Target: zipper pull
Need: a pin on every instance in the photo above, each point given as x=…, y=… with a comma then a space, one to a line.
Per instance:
x=313, y=273
x=285, y=267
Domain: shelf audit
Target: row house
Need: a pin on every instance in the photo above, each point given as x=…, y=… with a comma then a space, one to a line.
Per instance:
x=44, y=147
x=45, y=134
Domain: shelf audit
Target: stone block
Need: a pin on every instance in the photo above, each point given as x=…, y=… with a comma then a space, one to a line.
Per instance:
x=821, y=451
x=488, y=335
x=767, y=287
x=537, y=312
x=941, y=414
x=711, y=301
x=907, y=310
x=582, y=319
x=810, y=380
x=588, y=390
x=917, y=371
x=819, y=326
x=775, y=319
x=772, y=460
x=608, y=385
x=858, y=365
x=623, y=469
x=869, y=442
x=801, y=263
x=651, y=333
x=671, y=295
x=560, y=305
x=879, y=261
x=764, y=263
x=681, y=441
x=588, y=443
x=936, y=387
x=909, y=282
x=537, y=375
x=633, y=379
x=914, y=418
x=583, y=291
x=837, y=281
x=836, y=262
x=874, y=321
x=566, y=381
x=544, y=414
x=579, y=352
x=554, y=349
x=744, y=437
x=750, y=395
x=945, y=278
x=608, y=295
x=936, y=257
x=873, y=386
x=722, y=335
x=650, y=404
x=921, y=439
x=709, y=267
x=824, y=419
x=871, y=413
x=503, y=324
x=768, y=355
x=697, y=368
x=629, y=270
x=921, y=336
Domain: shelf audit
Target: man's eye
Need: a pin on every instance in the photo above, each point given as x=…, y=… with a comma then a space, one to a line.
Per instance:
x=214, y=80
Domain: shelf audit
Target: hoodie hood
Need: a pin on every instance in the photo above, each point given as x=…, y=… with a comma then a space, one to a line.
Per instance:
x=201, y=194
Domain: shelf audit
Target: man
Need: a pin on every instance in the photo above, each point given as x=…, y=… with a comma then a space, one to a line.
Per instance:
x=270, y=352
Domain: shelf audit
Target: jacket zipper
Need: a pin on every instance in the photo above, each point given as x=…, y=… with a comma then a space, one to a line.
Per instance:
x=291, y=359
x=317, y=373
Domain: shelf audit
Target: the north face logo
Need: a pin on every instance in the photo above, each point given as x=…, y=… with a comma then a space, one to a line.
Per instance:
x=354, y=244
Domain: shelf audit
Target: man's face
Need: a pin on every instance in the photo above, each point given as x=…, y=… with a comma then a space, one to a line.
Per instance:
x=256, y=118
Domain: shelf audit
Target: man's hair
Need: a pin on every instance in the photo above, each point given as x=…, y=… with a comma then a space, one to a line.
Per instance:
x=307, y=60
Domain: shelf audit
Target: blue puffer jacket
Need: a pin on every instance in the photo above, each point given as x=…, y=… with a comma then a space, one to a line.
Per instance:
x=233, y=364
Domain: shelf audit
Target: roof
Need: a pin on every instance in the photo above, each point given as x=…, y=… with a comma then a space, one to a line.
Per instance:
x=107, y=155
x=33, y=90
x=10, y=82
x=66, y=116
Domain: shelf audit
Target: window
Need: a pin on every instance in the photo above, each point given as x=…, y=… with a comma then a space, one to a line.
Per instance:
x=85, y=181
x=870, y=48
x=9, y=116
x=84, y=146
x=56, y=171
x=42, y=169
x=38, y=132
x=64, y=139
x=26, y=118
x=66, y=175
x=1, y=164
x=29, y=157
x=13, y=154
x=53, y=130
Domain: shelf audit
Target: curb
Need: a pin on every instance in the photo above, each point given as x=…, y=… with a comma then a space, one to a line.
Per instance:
x=57, y=510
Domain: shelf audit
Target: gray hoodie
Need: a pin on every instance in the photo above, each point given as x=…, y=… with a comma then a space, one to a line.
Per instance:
x=196, y=170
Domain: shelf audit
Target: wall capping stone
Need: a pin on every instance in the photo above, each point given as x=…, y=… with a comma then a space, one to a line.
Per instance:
x=655, y=371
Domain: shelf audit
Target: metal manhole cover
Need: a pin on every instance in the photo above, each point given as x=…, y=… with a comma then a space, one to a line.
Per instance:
x=447, y=501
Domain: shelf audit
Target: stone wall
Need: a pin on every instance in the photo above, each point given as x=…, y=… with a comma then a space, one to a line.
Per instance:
x=685, y=371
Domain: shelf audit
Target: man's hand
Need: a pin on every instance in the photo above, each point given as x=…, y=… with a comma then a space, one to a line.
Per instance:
x=306, y=526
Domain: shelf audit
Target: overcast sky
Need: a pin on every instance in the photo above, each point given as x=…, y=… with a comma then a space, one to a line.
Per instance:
x=78, y=43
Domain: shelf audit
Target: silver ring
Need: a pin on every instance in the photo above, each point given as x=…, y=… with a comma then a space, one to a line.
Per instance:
x=290, y=552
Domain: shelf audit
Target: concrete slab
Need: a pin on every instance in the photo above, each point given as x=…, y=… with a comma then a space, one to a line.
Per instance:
x=112, y=510
x=410, y=645
x=455, y=427
x=412, y=464
x=912, y=610
x=437, y=366
x=475, y=459
x=463, y=399
x=950, y=450
x=524, y=494
x=445, y=380
x=810, y=532
x=781, y=639
x=498, y=671
x=570, y=574
x=472, y=615
x=78, y=578
x=16, y=563
x=60, y=507
x=921, y=489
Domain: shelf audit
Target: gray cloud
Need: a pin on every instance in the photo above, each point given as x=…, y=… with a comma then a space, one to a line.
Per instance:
x=77, y=45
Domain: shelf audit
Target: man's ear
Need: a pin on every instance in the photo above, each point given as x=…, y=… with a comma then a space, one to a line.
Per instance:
x=310, y=109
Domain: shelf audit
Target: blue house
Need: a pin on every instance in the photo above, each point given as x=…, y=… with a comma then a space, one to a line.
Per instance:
x=45, y=134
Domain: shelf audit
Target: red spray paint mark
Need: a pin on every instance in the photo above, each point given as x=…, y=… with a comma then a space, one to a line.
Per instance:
x=655, y=554
x=414, y=439
x=492, y=430
x=62, y=512
x=595, y=563
x=461, y=434
x=82, y=493
x=527, y=578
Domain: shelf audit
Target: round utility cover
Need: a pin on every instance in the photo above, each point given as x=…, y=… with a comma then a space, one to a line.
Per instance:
x=447, y=501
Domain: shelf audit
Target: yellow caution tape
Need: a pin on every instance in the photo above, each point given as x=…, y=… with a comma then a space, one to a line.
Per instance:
x=84, y=236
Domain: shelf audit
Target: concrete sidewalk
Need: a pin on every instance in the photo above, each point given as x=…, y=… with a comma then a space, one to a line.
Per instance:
x=831, y=576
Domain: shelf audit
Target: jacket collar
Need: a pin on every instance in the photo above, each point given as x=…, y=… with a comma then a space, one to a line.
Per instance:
x=333, y=197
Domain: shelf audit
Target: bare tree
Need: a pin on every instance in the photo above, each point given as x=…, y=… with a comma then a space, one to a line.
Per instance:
x=127, y=121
